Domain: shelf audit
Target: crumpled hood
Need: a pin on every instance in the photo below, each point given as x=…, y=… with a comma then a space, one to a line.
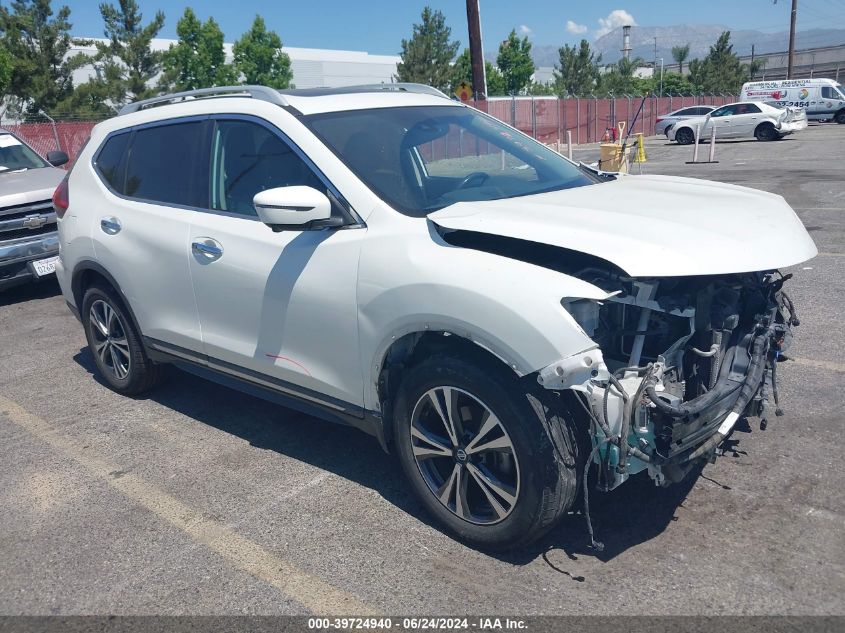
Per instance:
x=650, y=226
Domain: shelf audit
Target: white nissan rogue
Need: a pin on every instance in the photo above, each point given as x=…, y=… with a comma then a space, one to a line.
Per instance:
x=505, y=321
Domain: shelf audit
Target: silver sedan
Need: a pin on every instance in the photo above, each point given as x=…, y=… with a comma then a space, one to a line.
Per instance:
x=664, y=122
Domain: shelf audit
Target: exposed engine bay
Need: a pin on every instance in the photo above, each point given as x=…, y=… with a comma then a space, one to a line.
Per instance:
x=679, y=361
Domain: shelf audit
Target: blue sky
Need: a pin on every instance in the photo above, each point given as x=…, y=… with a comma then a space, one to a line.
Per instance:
x=378, y=26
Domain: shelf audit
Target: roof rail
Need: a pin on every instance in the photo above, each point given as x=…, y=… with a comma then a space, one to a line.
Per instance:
x=405, y=87
x=262, y=93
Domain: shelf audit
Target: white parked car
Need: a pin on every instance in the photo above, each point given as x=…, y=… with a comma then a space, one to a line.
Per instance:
x=496, y=315
x=666, y=121
x=762, y=121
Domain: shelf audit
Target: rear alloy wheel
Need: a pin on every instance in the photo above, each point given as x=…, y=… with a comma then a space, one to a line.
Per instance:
x=684, y=136
x=475, y=443
x=115, y=344
x=766, y=132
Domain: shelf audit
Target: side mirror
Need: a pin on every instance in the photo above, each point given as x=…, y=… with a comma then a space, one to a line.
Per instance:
x=57, y=158
x=293, y=208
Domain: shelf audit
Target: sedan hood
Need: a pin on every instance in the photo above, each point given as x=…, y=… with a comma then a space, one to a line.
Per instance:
x=650, y=226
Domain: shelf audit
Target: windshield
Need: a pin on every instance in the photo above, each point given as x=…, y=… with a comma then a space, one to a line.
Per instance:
x=423, y=158
x=14, y=155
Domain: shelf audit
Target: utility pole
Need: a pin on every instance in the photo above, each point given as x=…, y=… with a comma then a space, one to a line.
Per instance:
x=655, y=53
x=476, y=51
x=792, y=39
x=751, y=65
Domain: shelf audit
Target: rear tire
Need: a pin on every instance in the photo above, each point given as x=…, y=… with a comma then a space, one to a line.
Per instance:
x=532, y=481
x=684, y=136
x=115, y=344
x=766, y=132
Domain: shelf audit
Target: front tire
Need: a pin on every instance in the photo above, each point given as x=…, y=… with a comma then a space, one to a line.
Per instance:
x=474, y=443
x=684, y=136
x=115, y=344
x=840, y=117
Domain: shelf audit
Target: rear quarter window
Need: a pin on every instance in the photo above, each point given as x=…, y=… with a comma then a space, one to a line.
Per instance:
x=110, y=162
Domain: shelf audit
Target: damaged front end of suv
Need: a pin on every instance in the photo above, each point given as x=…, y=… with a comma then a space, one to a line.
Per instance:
x=678, y=361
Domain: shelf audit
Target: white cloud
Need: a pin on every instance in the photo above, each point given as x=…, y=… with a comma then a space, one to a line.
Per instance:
x=575, y=28
x=524, y=30
x=615, y=19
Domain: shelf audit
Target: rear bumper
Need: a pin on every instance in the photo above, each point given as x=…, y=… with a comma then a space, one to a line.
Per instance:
x=15, y=257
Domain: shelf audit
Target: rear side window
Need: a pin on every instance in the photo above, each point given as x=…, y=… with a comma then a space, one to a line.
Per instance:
x=166, y=163
x=111, y=163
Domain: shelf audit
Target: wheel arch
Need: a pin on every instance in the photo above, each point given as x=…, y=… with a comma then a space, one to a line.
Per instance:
x=88, y=273
x=407, y=350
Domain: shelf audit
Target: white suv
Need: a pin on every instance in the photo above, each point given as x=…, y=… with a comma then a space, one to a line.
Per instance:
x=496, y=315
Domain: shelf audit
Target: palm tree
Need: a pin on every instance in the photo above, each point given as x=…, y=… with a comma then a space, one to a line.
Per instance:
x=680, y=55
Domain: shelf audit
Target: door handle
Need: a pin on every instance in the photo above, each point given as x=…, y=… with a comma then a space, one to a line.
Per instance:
x=206, y=248
x=110, y=225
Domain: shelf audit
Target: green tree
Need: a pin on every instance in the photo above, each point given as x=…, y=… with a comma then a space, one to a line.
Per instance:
x=680, y=55
x=5, y=71
x=126, y=64
x=619, y=79
x=38, y=44
x=260, y=59
x=676, y=84
x=721, y=69
x=428, y=55
x=696, y=75
x=197, y=60
x=462, y=72
x=577, y=71
x=515, y=63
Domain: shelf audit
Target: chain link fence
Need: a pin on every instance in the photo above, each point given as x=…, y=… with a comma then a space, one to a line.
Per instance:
x=45, y=134
x=548, y=119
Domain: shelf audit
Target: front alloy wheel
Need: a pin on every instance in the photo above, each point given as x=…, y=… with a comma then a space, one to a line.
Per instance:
x=475, y=443
x=465, y=455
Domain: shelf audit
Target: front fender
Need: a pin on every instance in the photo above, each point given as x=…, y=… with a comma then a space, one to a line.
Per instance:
x=420, y=283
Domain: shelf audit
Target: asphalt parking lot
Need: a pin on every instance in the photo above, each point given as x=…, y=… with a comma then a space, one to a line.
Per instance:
x=200, y=500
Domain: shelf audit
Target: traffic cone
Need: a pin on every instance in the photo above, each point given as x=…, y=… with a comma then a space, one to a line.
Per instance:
x=640, y=157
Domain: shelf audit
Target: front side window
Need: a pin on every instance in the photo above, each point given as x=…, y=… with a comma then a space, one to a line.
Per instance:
x=723, y=111
x=829, y=92
x=247, y=158
x=423, y=158
x=15, y=155
x=168, y=163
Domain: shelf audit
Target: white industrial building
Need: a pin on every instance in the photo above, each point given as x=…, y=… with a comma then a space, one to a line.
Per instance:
x=312, y=67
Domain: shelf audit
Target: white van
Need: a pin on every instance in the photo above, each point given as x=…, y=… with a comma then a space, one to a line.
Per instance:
x=824, y=99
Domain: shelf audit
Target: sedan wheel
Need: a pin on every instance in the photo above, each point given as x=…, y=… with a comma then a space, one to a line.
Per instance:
x=684, y=136
x=465, y=455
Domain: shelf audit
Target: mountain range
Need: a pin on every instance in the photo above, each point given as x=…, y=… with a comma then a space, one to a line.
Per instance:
x=700, y=37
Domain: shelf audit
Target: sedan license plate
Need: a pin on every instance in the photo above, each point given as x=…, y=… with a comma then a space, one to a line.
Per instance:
x=45, y=266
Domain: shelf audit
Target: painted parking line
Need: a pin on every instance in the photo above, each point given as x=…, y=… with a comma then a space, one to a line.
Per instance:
x=311, y=592
x=818, y=364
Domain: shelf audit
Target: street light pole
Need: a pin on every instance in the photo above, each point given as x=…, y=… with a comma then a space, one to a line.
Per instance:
x=661, y=76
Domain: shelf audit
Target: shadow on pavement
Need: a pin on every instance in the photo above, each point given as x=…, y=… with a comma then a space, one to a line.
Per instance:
x=29, y=291
x=634, y=513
